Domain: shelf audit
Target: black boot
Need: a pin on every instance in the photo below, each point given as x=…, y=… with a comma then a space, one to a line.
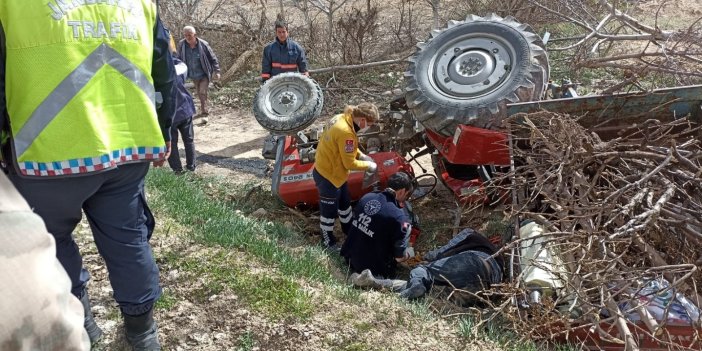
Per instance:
x=142, y=332
x=94, y=332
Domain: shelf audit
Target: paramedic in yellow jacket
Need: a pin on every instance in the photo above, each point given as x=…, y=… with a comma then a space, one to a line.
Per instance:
x=338, y=155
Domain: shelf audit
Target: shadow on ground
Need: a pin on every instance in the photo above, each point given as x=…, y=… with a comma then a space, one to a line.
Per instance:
x=251, y=165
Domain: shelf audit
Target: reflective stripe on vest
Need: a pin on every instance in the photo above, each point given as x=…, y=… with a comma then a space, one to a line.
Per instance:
x=71, y=85
x=79, y=91
x=284, y=65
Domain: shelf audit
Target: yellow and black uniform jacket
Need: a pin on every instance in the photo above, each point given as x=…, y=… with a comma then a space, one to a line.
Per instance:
x=337, y=151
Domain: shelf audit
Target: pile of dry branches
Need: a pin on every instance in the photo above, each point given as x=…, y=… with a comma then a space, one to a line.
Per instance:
x=619, y=213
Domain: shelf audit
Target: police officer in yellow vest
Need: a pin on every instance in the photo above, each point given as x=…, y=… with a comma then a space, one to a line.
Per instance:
x=80, y=82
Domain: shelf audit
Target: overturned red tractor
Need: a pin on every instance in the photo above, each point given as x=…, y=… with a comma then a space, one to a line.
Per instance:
x=459, y=83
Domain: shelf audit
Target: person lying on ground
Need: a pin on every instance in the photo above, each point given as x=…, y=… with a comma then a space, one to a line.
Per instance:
x=467, y=263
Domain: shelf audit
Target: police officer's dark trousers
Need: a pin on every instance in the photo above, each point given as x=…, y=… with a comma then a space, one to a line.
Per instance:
x=121, y=222
x=333, y=202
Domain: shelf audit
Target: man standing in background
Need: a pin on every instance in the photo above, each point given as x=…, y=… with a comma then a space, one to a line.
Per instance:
x=282, y=55
x=202, y=63
x=86, y=102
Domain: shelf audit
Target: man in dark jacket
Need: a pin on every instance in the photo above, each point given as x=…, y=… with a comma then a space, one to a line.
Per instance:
x=202, y=63
x=466, y=263
x=282, y=55
x=182, y=123
x=379, y=233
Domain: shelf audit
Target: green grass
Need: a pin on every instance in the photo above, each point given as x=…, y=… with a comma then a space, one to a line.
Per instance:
x=419, y=308
x=356, y=346
x=349, y=294
x=245, y=342
x=237, y=248
x=278, y=297
x=363, y=327
x=167, y=301
x=497, y=333
x=113, y=314
x=196, y=203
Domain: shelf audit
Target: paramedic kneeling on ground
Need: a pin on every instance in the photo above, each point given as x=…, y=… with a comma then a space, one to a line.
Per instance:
x=338, y=155
x=379, y=234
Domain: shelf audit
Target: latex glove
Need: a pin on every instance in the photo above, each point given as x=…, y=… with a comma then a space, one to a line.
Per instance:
x=364, y=157
x=370, y=177
x=409, y=252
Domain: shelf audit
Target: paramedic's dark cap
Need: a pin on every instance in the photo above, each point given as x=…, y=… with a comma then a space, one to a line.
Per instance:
x=400, y=180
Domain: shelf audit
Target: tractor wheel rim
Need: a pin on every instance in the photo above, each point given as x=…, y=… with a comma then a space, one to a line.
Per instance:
x=286, y=99
x=473, y=66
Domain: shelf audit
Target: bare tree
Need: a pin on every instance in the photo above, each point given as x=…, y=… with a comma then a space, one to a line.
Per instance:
x=607, y=37
x=356, y=29
x=304, y=7
x=436, y=17
x=179, y=13
x=281, y=10
x=406, y=24
x=329, y=8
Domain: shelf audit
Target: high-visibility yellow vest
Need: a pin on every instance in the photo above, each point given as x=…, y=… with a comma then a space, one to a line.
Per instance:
x=79, y=91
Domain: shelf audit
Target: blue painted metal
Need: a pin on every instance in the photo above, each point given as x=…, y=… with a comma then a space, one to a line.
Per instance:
x=607, y=114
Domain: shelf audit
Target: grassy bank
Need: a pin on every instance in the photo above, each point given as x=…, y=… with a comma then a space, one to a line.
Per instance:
x=220, y=249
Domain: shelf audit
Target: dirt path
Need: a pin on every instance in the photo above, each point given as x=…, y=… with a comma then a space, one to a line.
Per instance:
x=228, y=143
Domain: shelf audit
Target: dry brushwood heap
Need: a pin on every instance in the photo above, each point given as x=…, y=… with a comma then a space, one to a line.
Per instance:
x=623, y=218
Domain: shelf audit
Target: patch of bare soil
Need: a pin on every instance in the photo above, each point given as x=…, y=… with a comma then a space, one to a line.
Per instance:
x=228, y=143
x=672, y=15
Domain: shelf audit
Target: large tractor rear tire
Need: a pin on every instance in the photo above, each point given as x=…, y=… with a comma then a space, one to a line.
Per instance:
x=287, y=103
x=468, y=72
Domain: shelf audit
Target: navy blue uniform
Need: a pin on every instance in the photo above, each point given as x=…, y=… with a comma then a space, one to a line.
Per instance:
x=113, y=201
x=379, y=233
x=182, y=123
x=283, y=57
